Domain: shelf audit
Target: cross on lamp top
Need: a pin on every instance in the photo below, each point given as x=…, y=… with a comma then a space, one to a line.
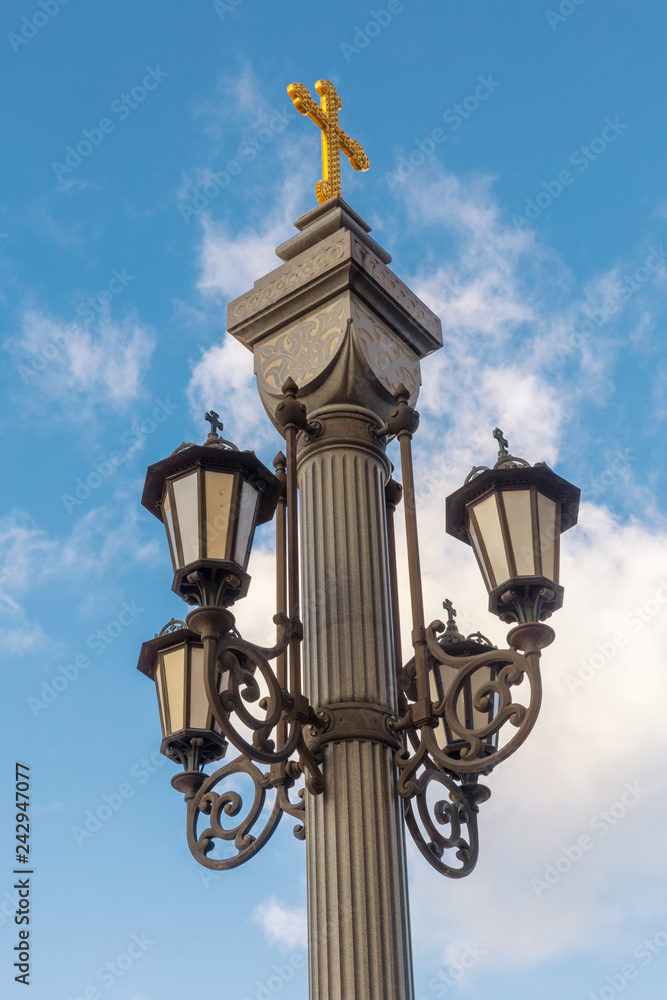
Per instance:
x=214, y=421
x=334, y=139
x=451, y=634
x=502, y=442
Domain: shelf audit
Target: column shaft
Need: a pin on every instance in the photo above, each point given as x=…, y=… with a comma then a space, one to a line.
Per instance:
x=359, y=935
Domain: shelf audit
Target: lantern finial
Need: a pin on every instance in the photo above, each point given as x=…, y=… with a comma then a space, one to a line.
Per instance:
x=215, y=423
x=452, y=633
x=503, y=445
x=213, y=436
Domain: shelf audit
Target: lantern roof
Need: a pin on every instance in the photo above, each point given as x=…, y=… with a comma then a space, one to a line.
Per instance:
x=173, y=634
x=509, y=472
x=218, y=454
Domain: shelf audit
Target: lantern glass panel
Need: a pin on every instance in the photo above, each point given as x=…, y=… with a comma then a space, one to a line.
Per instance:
x=219, y=489
x=186, y=498
x=169, y=521
x=162, y=699
x=246, y=519
x=549, y=533
x=200, y=714
x=519, y=522
x=441, y=677
x=490, y=529
x=171, y=678
x=474, y=540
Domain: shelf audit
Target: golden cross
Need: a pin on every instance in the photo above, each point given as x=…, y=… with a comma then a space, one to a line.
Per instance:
x=333, y=138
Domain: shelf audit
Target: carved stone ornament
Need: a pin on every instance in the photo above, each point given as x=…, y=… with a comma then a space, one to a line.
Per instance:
x=393, y=284
x=303, y=351
x=340, y=353
x=391, y=362
x=290, y=277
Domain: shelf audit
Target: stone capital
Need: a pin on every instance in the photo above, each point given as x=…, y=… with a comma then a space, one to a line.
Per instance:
x=335, y=319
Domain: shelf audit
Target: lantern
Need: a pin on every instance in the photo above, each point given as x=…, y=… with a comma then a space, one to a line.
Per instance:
x=174, y=659
x=513, y=516
x=210, y=499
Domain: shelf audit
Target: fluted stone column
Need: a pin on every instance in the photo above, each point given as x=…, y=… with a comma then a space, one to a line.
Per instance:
x=348, y=331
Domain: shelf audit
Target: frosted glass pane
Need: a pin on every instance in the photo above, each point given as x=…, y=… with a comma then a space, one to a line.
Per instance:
x=199, y=711
x=546, y=511
x=169, y=522
x=488, y=519
x=219, y=486
x=517, y=511
x=186, y=495
x=440, y=679
x=172, y=668
x=161, y=699
x=246, y=521
x=478, y=552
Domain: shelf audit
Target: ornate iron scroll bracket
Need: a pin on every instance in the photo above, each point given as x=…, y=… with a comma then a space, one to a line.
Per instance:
x=471, y=752
x=238, y=677
x=249, y=833
x=439, y=826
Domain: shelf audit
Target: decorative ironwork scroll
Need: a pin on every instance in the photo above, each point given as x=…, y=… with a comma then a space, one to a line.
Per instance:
x=494, y=699
x=234, y=669
x=443, y=823
x=249, y=833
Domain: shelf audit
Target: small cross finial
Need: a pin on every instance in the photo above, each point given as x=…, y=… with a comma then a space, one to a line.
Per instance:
x=451, y=634
x=502, y=443
x=334, y=140
x=451, y=611
x=213, y=419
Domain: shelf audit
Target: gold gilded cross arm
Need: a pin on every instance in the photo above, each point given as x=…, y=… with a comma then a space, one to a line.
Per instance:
x=325, y=115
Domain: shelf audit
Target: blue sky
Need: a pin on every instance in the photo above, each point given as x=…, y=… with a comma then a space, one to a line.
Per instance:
x=517, y=178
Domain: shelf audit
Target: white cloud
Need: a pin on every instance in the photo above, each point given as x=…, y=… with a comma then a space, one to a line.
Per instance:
x=31, y=559
x=77, y=364
x=601, y=726
x=508, y=303
x=231, y=263
x=224, y=379
x=282, y=924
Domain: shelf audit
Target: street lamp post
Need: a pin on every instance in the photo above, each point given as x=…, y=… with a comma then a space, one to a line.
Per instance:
x=337, y=340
